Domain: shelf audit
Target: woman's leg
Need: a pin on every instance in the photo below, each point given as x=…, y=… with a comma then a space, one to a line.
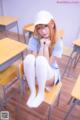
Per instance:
x=42, y=70
x=29, y=71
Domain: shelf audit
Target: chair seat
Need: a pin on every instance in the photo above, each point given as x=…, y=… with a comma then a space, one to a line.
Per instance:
x=7, y=75
x=50, y=97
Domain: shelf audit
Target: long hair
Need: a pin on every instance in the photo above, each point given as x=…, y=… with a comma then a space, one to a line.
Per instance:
x=52, y=29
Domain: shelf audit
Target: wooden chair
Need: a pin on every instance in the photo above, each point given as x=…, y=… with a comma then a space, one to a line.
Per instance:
x=50, y=97
x=7, y=78
x=66, y=51
x=28, y=29
x=75, y=98
x=60, y=34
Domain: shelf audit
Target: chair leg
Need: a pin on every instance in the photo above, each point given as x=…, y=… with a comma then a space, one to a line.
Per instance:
x=49, y=112
x=50, y=106
x=73, y=102
x=67, y=117
x=58, y=99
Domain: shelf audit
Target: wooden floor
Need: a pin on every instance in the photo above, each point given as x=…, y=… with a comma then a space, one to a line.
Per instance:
x=17, y=105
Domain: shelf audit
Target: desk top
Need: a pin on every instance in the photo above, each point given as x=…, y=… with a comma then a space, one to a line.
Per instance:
x=9, y=48
x=76, y=42
x=6, y=20
x=76, y=90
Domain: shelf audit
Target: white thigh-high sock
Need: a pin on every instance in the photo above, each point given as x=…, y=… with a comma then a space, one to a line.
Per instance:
x=41, y=74
x=29, y=71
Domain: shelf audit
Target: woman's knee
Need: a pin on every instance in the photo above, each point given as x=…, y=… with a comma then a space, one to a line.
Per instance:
x=41, y=60
x=29, y=59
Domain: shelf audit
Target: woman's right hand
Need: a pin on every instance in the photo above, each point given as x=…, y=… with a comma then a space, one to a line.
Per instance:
x=45, y=42
x=42, y=42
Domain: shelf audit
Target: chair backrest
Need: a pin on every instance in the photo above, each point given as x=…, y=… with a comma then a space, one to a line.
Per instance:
x=67, y=50
x=60, y=34
x=28, y=27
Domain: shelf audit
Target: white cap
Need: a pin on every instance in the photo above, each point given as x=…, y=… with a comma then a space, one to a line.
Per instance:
x=43, y=17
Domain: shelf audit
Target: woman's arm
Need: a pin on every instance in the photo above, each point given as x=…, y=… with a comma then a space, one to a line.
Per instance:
x=46, y=49
x=41, y=51
x=32, y=46
x=46, y=52
x=53, y=59
x=57, y=52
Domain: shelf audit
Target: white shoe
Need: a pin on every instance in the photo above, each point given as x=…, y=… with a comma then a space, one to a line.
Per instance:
x=30, y=101
x=37, y=101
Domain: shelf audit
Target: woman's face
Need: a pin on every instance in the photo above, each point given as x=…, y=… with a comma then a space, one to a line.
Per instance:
x=43, y=31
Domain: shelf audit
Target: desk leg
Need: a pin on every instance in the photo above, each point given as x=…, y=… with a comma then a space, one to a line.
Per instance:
x=18, y=31
x=68, y=64
x=77, y=58
x=49, y=112
x=6, y=32
x=67, y=117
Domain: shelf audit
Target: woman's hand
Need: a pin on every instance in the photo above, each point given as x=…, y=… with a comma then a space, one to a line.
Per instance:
x=42, y=42
x=45, y=42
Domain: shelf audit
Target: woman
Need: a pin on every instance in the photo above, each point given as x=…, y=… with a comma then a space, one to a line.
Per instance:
x=41, y=65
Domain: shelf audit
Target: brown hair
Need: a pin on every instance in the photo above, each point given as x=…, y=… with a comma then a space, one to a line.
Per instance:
x=52, y=28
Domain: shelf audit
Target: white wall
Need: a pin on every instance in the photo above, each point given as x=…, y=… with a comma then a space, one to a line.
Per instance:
x=67, y=15
x=1, y=8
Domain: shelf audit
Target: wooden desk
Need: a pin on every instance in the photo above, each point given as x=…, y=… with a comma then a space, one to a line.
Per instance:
x=75, y=97
x=7, y=22
x=74, y=57
x=76, y=90
x=76, y=42
x=10, y=51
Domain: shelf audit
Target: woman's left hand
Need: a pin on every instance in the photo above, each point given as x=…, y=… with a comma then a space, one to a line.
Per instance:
x=47, y=43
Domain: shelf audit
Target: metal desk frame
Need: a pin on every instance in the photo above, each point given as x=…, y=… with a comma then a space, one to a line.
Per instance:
x=74, y=100
x=73, y=60
x=8, y=60
x=6, y=25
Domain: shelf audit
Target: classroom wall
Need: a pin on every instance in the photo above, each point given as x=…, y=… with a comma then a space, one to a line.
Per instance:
x=66, y=14
x=1, y=8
